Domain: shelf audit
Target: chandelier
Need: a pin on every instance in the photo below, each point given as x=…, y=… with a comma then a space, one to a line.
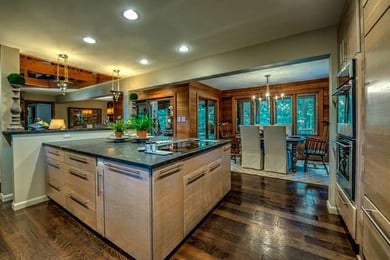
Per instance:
x=115, y=88
x=62, y=83
x=267, y=95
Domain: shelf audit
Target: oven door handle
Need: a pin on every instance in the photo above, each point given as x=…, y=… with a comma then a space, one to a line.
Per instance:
x=341, y=144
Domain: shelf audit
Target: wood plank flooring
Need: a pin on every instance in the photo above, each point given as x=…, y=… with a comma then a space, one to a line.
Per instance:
x=260, y=218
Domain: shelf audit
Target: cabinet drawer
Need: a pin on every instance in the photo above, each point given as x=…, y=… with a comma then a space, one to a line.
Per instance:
x=83, y=162
x=55, y=170
x=80, y=181
x=54, y=153
x=346, y=210
x=80, y=207
x=372, y=11
x=376, y=232
x=55, y=191
x=194, y=163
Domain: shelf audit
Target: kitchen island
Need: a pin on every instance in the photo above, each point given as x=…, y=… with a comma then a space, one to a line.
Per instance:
x=144, y=203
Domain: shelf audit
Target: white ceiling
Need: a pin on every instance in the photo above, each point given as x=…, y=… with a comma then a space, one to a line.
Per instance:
x=45, y=28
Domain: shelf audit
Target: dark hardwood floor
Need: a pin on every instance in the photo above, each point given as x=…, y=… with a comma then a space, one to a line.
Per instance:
x=260, y=218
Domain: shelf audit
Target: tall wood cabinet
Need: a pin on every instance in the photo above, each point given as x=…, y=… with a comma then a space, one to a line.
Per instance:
x=349, y=33
x=376, y=201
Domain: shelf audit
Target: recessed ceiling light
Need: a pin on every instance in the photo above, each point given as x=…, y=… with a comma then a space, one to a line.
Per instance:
x=130, y=14
x=89, y=40
x=183, y=48
x=144, y=61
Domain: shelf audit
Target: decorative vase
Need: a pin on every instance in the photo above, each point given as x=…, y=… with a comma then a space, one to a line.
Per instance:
x=142, y=133
x=15, y=108
x=118, y=134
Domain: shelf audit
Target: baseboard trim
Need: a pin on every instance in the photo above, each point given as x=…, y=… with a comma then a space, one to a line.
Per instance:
x=27, y=203
x=7, y=197
x=331, y=209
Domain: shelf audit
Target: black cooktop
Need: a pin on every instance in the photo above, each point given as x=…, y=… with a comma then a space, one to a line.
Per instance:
x=184, y=146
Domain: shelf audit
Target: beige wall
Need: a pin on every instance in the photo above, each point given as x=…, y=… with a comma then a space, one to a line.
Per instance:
x=9, y=63
x=61, y=110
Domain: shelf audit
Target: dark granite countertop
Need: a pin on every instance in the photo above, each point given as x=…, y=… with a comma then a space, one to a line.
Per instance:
x=127, y=152
x=43, y=131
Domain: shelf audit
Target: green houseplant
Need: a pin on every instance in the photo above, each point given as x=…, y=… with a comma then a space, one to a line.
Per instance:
x=16, y=79
x=142, y=124
x=119, y=126
x=133, y=96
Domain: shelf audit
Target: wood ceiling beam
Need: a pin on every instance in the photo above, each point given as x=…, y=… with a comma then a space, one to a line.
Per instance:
x=81, y=78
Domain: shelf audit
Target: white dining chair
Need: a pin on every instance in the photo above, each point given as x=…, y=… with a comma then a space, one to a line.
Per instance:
x=251, y=152
x=275, y=149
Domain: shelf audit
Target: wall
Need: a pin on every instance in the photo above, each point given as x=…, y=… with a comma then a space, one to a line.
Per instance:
x=9, y=63
x=320, y=87
x=61, y=110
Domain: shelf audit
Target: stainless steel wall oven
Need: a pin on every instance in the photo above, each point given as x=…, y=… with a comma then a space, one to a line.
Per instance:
x=345, y=95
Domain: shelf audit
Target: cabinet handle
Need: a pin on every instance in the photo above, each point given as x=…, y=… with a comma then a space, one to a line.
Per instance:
x=126, y=169
x=78, y=159
x=56, y=187
x=377, y=227
x=54, y=153
x=195, y=178
x=54, y=165
x=83, y=203
x=135, y=174
x=169, y=171
x=215, y=166
x=82, y=175
x=99, y=182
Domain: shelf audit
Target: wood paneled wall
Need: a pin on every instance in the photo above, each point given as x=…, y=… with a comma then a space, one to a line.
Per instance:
x=319, y=87
x=185, y=102
x=198, y=90
x=179, y=95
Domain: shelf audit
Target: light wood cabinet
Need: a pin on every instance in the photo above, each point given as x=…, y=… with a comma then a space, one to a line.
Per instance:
x=373, y=10
x=194, y=202
x=127, y=201
x=80, y=187
x=146, y=212
x=349, y=33
x=167, y=209
x=347, y=210
x=226, y=175
x=55, y=175
x=213, y=184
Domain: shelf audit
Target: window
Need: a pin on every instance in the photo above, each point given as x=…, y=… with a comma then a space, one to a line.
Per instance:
x=206, y=119
x=262, y=112
x=306, y=115
x=283, y=111
x=243, y=113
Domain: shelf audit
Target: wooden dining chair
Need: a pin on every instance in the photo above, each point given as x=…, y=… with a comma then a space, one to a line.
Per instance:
x=315, y=147
x=235, y=149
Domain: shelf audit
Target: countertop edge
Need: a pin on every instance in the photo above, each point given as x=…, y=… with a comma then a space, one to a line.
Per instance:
x=218, y=143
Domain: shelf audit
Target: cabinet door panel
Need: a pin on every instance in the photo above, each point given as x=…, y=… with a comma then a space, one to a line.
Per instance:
x=194, y=204
x=167, y=209
x=128, y=209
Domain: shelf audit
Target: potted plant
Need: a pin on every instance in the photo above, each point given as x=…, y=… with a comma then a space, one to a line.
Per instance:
x=142, y=124
x=119, y=126
x=16, y=79
x=133, y=96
